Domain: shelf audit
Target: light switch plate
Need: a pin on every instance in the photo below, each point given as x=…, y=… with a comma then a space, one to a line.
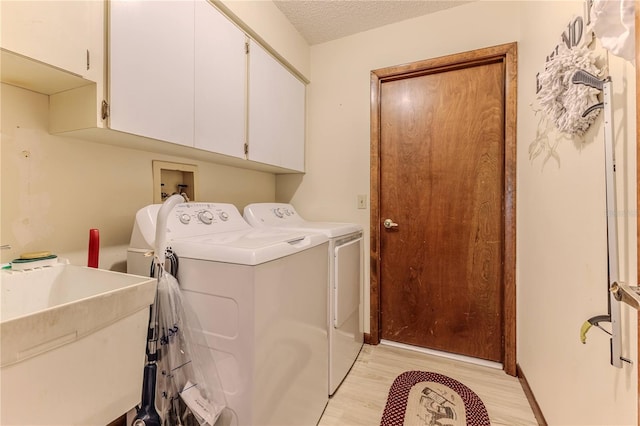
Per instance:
x=362, y=201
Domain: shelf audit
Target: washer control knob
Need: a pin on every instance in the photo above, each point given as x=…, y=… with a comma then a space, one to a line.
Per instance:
x=205, y=217
x=287, y=212
x=224, y=216
x=185, y=218
x=278, y=212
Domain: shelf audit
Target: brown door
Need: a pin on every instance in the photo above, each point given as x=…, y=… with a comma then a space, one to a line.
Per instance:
x=442, y=183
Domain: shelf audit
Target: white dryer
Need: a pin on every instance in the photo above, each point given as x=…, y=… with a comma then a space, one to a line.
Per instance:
x=345, y=314
x=260, y=297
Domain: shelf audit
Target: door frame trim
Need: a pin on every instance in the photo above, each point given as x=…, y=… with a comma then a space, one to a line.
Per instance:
x=507, y=53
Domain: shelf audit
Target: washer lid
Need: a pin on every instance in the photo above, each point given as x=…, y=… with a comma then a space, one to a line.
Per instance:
x=251, y=247
x=284, y=216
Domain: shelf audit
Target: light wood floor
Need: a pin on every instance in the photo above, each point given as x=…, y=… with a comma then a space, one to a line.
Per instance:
x=361, y=398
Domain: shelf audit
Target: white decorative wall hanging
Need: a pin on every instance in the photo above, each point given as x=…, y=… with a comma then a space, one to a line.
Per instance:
x=562, y=101
x=559, y=103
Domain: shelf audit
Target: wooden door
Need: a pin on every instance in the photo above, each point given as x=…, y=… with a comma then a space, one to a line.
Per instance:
x=445, y=175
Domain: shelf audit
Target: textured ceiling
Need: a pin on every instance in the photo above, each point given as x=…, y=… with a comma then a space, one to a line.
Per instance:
x=319, y=21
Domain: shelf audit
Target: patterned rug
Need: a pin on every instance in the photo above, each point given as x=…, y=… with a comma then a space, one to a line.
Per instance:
x=420, y=398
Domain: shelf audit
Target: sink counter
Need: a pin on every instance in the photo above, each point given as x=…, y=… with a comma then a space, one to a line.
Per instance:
x=47, y=307
x=72, y=343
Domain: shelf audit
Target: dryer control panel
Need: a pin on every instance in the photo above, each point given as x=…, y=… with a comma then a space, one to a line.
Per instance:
x=271, y=214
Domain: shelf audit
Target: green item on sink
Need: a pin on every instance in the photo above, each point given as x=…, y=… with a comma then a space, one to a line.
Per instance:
x=35, y=259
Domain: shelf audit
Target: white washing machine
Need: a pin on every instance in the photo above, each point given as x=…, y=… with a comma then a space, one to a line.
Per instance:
x=345, y=314
x=260, y=297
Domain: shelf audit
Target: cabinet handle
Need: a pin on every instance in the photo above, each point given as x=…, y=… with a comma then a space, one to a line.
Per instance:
x=88, y=60
x=105, y=110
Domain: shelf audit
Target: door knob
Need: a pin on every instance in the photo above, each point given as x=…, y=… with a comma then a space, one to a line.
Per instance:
x=388, y=223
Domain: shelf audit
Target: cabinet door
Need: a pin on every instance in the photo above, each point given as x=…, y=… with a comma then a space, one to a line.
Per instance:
x=58, y=33
x=220, y=81
x=276, y=112
x=151, y=69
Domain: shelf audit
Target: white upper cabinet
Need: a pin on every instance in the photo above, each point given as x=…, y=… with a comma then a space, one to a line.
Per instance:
x=276, y=112
x=176, y=76
x=220, y=82
x=68, y=35
x=151, y=69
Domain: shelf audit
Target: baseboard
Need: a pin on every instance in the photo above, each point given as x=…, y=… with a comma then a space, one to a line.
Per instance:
x=537, y=412
x=367, y=339
x=120, y=421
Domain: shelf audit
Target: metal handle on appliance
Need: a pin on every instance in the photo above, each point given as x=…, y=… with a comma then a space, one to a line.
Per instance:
x=626, y=293
x=388, y=223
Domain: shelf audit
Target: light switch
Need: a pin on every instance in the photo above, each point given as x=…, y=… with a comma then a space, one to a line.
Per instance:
x=362, y=201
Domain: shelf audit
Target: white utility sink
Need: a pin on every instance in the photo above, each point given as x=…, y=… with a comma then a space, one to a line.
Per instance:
x=72, y=344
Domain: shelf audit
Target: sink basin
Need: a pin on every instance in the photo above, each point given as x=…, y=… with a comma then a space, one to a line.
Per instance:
x=72, y=344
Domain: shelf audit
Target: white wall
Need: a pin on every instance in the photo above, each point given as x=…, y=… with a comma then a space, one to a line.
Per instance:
x=561, y=250
x=562, y=257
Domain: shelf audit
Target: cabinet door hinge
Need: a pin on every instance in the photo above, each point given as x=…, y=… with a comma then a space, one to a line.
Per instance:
x=105, y=110
x=88, y=60
x=246, y=149
x=246, y=47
